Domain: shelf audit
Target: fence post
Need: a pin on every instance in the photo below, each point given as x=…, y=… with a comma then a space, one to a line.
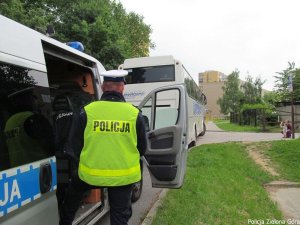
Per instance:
x=293, y=118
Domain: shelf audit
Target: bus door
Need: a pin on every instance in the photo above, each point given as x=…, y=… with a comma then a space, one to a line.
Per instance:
x=165, y=112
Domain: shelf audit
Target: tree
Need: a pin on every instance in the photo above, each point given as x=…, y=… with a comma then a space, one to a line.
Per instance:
x=252, y=95
x=264, y=110
x=138, y=34
x=296, y=84
x=271, y=98
x=14, y=78
x=34, y=14
x=231, y=100
x=287, y=80
x=288, y=88
x=252, y=90
x=107, y=31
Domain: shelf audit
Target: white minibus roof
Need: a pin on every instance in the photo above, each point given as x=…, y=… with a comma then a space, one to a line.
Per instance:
x=148, y=61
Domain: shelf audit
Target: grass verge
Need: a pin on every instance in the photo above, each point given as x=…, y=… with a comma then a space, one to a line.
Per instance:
x=227, y=126
x=222, y=186
x=285, y=157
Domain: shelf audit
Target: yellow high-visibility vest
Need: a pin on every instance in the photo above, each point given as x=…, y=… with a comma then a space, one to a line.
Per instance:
x=22, y=148
x=110, y=156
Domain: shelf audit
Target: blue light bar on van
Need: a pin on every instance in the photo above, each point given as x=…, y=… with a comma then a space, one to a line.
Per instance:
x=76, y=44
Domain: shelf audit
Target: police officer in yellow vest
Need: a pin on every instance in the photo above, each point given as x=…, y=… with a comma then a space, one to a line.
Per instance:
x=109, y=135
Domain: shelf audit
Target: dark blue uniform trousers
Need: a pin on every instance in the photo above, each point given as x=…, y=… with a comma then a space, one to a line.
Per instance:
x=119, y=201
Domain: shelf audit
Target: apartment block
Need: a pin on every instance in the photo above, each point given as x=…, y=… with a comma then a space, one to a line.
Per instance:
x=211, y=82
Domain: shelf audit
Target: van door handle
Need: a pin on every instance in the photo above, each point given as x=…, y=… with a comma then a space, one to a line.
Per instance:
x=45, y=177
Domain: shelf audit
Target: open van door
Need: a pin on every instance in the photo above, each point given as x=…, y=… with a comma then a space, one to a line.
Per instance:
x=165, y=112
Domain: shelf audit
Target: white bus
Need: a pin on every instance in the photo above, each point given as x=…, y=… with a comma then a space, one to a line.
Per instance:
x=148, y=73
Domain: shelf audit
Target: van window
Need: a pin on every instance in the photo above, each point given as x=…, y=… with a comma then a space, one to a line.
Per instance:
x=25, y=116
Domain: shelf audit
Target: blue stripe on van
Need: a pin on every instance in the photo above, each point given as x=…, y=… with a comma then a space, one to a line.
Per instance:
x=20, y=186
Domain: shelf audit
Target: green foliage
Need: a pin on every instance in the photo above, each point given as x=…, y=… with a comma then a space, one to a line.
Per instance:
x=107, y=31
x=236, y=96
x=255, y=106
x=283, y=82
x=271, y=97
x=231, y=100
x=34, y=14
x=13, y=78
x=252, y=101
x=138, y=34
x=296, y=84
x=244, y=101
x=252, y=90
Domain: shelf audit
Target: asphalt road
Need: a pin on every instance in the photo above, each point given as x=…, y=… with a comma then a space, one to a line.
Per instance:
x=213, y=135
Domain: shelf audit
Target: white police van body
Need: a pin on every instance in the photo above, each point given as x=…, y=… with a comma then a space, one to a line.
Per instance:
x=31, y=62
x=35, y=70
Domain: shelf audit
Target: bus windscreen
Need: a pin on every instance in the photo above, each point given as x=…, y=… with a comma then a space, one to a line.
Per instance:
x=150, y=74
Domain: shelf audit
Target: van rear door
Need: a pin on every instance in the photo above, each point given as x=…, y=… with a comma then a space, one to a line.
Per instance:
x=165, y=112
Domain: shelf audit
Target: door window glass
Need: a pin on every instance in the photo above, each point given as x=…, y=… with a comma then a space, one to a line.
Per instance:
x=166, y=108
x=146, y=111
x=25, y=116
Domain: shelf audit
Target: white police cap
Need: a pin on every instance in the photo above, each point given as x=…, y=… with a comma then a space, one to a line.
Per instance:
x=114, y=75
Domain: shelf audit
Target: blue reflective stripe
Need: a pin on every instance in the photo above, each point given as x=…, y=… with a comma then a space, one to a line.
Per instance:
x=20, y=186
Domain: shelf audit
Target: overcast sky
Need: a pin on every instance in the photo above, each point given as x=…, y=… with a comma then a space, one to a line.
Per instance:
x=257, y=37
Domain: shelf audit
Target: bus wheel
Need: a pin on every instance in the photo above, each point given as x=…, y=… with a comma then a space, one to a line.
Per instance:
x=136, y=191
x=195, y=142
x=204, y=130
x=137, y=187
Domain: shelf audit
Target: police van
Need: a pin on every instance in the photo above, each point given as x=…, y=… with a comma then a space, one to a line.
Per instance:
x=43, y=80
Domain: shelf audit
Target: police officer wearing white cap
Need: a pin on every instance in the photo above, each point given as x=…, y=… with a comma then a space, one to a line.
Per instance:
x=108, y=136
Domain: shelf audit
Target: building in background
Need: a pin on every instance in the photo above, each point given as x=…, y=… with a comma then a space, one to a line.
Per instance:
x=212, y=76
x=211, y=82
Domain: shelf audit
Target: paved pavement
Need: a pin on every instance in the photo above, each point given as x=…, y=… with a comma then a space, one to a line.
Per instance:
x=289, y=202
x=216, y=135
x=287, y=195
